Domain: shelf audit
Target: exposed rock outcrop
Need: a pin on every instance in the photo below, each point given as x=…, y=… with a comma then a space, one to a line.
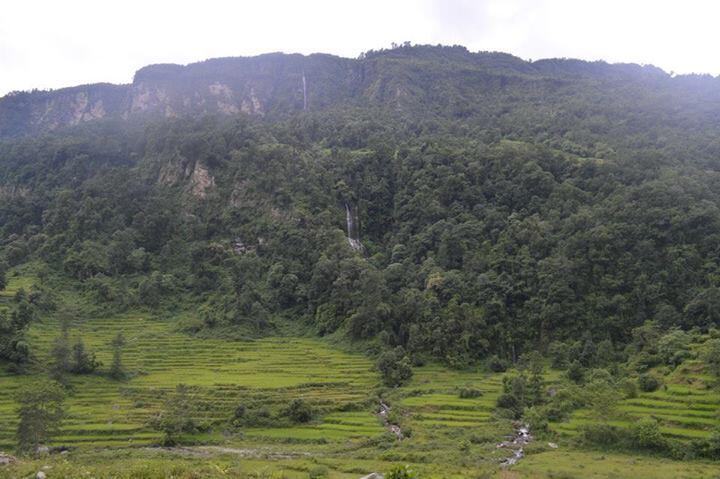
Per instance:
x=201, y=181
x=403, y=79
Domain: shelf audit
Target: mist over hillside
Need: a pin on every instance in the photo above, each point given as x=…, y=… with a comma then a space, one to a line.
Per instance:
x=447, y=81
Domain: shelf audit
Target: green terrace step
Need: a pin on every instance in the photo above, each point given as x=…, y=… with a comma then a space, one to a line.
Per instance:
x=224, y=374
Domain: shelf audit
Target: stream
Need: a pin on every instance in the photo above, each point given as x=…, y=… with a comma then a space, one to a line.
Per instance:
x=521, y=438
x=394, y=428
x=353, y=227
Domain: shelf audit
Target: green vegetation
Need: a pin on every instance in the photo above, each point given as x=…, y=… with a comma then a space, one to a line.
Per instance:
x=537, y=245
x=116, y=369
x=39, y=414
x=394, y=367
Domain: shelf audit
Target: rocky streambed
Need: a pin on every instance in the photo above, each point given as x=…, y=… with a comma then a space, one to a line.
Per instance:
x=517, y=444
x=384, y=414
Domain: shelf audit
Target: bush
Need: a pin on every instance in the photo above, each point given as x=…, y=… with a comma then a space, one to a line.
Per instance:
x=648, y=383
x=602, y=435
x=575, y=372
x=629, y=388
x=558, y=354
x=508, y=401
x=83, y=362
x=711, y=356
x=537, y=419
x=252, y=416
x=646, y=435
x=470, y=393
x=299, y=411
x=318, y=472
x=645, y=361
x=674, y=347
x=177, y=416
x=708, y=448
x=394, y=366
x=497, y=365
x=400, y=472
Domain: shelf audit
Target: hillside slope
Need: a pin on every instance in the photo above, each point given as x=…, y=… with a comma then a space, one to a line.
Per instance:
x=450, y=81
x=494, y=205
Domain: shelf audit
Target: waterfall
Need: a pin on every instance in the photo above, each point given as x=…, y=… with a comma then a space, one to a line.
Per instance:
x=353, y=230
x=304, y=93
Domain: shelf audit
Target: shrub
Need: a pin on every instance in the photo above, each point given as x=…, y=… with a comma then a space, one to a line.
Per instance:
x=40, y=414
x=394, y=367
x=709, y=448
x=629, y=388
x=470, y=393
x=711, y=356
x=536, y=419
x=497, y=365
x=83, y=362
x=674, y=347
x=645, y=361
x=602, y=435
x=508, y=401
x=252, y=416
x=400, y=472
x=299, y=411
x=646, y=435
x=603, y=398
x=318, y=472
x=240, y=412
x=575, y=372
x=177, y=416
x=558, y=354
x=648, y=383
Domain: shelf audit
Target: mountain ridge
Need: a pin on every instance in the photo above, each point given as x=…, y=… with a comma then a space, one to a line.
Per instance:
x=403, y=77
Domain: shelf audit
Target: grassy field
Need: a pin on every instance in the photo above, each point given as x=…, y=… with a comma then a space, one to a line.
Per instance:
x=573, y=464
x=448, y=436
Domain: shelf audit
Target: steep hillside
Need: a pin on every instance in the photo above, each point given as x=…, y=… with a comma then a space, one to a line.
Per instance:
x=449, y=81
x=458, y=205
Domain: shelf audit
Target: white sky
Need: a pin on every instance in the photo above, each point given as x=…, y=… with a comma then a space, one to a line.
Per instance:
x=56, y=43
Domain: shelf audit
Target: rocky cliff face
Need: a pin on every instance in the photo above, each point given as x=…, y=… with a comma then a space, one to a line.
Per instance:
x=255, y=86
x=450, y=79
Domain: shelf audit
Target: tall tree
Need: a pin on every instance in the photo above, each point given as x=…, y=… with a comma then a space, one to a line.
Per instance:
x=61, y=356
x=40, y=414
x=116, y=368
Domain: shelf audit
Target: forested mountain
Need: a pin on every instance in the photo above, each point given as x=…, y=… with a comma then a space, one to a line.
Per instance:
x=500, y=205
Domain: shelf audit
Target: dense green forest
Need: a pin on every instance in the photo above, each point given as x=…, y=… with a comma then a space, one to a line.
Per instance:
x=547, y=205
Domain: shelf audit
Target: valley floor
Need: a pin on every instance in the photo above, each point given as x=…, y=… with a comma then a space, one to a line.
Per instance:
x=108, y=433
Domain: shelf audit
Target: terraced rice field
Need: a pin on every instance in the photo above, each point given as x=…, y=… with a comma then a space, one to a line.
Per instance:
x=447, y=436
x=435, y=403
x=222, y=375
x=450, y=436
x=684, y=407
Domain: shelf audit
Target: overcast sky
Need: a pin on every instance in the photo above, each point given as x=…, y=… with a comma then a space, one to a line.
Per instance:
x=57, y=43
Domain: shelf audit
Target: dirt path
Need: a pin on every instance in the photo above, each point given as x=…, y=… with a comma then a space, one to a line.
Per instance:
x=208, y=451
